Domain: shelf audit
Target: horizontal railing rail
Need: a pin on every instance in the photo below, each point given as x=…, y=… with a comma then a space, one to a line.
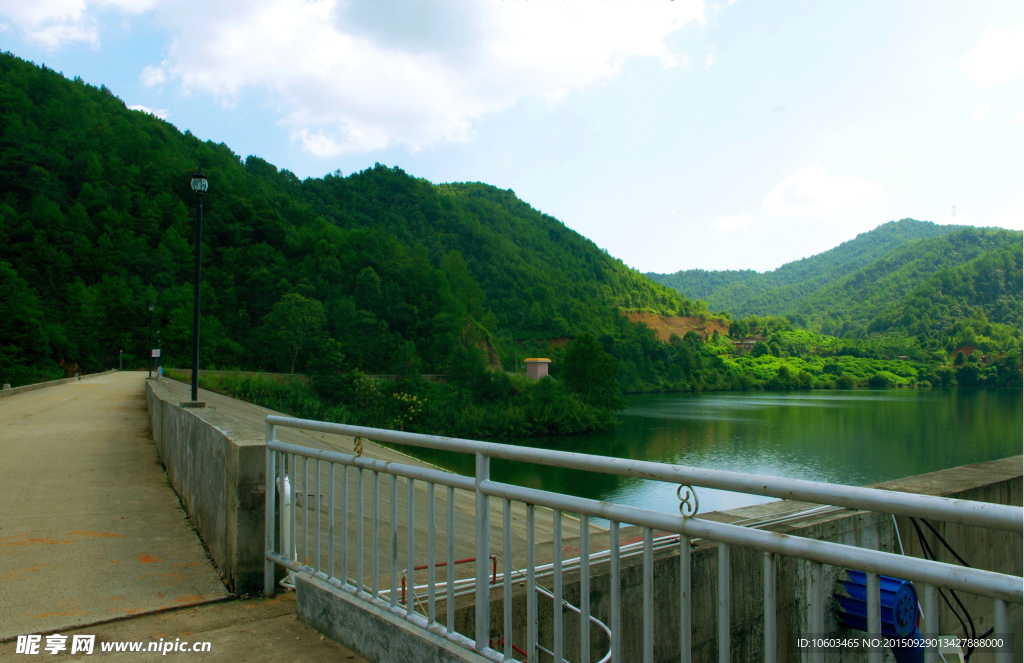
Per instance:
x=289, y=464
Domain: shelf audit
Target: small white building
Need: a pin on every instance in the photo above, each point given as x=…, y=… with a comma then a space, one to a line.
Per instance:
x=537, y=367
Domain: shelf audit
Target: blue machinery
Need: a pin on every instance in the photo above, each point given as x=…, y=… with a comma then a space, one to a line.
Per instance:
x=898, y=600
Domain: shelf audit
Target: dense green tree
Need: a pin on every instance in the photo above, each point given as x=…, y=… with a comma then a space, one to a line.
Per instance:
x=591, y=372
x=293, y=325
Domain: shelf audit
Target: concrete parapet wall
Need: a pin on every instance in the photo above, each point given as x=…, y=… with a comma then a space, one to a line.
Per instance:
x=218, y=469
x=52, y=383
x=370, y=630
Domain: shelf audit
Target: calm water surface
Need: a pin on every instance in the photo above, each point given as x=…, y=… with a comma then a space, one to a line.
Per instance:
x=849, y=437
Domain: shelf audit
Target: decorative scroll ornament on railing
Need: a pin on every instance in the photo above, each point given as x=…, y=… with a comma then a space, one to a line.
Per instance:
x=358, y=450
x=687, y=508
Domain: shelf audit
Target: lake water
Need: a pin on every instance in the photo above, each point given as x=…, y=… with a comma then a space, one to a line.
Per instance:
x=853, y=437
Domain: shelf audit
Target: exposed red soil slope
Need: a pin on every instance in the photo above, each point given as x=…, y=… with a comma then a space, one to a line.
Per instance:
x=666, y=325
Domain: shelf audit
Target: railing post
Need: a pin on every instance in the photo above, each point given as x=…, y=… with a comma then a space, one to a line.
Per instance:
x=1001, y=629
x=931, y=622
x=685, y=600
x=268, y=566
x=506, y=576
x=770, y=645
x=410, y=546
x=375, y=558
x=616, y=594
x=816, y=608
x=724, y=634
x=531, y=585
x=874, y=594
x=483, y=554
x=648, y=595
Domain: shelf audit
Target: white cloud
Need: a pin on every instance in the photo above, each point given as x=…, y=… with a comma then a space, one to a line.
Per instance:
x=353, y=77
x=363, y=76
x=54, y=23
x=710, y=61
x=980, y=113
x=737, y=222
x=161, y=113
x=997, y=59
x=811, y=193
x=151, y=76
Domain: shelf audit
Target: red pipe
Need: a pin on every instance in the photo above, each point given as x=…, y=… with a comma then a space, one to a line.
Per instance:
x=494, y=569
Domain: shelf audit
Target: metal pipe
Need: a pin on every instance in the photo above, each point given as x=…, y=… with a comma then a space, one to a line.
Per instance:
x=685, y=600
x=874, y=600
x=507, y=575
x=770, y=646
x=319, y=506
x=360, y=550
x=375, y=545
x=483, y=552
x=1001, y=629
x=556, y=547
x=197, y=281
x=394, y=541
x=816, y=610
x=305, y=510
x=330, y=521
x=345, y=524
x=965, y=512
x=584, y=588
x=616, y=635
x=930, y=607
x=724, y=635
x=531, y=585
x=150, y=353
x=293, y=535
x=410, y=543
x=271, y=492
x=648, y=595
x=431, y=554
x=450, y=589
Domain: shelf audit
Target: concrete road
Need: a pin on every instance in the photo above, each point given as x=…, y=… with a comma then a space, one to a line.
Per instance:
x=246, y=631
x=90, y=530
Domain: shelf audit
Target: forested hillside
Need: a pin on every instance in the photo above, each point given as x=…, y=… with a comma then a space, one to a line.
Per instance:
x=96, y=223
x=779, y=291
x=959, y=304
x=845, y=307
x=702, y=284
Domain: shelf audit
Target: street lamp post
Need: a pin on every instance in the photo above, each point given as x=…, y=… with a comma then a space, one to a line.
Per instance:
x=199, y=186
x=150, y=348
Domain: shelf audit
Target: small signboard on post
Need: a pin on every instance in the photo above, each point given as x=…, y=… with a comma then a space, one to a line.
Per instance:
x=156, y=353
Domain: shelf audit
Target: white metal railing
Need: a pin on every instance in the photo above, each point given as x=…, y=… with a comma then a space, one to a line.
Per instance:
x=291, y=463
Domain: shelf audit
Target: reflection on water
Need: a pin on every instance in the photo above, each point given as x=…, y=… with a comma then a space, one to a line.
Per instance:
x=855, y=438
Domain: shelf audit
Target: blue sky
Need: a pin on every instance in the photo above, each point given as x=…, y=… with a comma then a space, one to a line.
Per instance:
x=676, y=135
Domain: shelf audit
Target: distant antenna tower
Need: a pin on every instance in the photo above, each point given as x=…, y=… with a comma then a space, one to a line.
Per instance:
x=954, y=210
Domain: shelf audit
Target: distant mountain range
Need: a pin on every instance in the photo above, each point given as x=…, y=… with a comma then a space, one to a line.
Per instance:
x=858, y=287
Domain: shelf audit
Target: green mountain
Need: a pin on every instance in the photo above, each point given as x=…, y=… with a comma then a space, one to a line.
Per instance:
x=700, y=283
x=779, y=291
x=848, y=304
x=958, y=304
x=858, y=287
x=398, y=273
